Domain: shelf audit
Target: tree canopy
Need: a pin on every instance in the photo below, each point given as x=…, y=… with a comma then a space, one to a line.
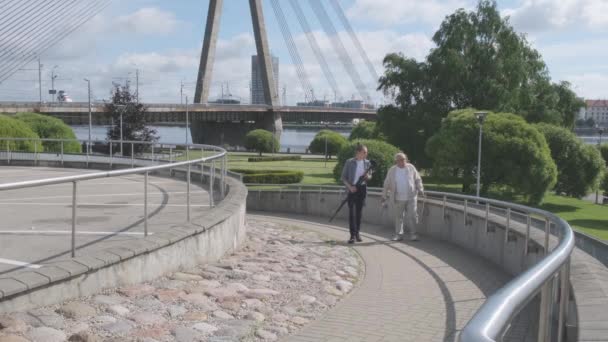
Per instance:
x=365, y=130
x=13, y=128
x=133, y=117
x=48, y=127
x=261, y=140
x=335, y=141
x=514, y=153
x=580, y=165
x=479, y=61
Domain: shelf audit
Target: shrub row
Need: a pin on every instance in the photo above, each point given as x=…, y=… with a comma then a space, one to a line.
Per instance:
x=270, y=176
x=277, y=158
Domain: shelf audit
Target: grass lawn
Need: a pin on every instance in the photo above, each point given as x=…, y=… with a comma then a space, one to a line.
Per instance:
x=582, y=215
x=316, y=170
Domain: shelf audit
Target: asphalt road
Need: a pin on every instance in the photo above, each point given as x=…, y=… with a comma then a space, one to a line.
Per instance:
x=36, y=223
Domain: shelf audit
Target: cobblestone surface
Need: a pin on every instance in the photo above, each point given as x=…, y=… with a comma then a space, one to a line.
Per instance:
x=282, y=279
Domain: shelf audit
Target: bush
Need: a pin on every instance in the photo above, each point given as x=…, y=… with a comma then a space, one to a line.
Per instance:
x=48, y=127
x=270, y=176
x=383, y=153
x=604, y=152
x=261, y=140
x=12, y=128
x=335, y=141
x=365, y=130
x=277, y=158
x=604, y=186
x=514, y=153
x=580, y=165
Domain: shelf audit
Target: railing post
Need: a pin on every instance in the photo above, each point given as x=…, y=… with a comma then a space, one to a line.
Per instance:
x=170, y=160
x=212, y=177
x=443, y=209
x=547, y=226
x=223, y=178
x=210, y=187
x=8, y=152
x=487, y=216
x=87, y=143
x=35, y=153
x=74, y=206
x=544, y=319
x=61, y=152
x=466, y=209
x=528, y=222
x=132, y=155
x=153, y=151
x=202, y=167
x=508, y=225
x=563, y=300
x=146, y=204
x=188, y=193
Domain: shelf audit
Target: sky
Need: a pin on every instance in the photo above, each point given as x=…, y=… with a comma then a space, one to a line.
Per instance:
x=160, y=41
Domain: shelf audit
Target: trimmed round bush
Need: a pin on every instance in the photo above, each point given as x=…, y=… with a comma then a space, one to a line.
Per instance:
x=365, y=130
x=335, y=142
x=12, y=128
x=261, y=140
x=48, y=127
x=382, y=152
x=270, y=176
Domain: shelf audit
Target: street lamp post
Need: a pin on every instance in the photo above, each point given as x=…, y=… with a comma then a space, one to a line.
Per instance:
x=481, y=116
x=53, y=77
x=90, y=118
x=600, y=131
x=121, y=108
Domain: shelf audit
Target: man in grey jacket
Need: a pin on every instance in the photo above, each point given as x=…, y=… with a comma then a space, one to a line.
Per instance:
x=355, y=169
x=403, y=183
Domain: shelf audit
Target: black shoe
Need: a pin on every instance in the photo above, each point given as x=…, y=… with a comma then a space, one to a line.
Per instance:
x=358, y=238
x=352, y=240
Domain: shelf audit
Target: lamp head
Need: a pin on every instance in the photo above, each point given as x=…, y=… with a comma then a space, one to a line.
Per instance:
x=481, y=116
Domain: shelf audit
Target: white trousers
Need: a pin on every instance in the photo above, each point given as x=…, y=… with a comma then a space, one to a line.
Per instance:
x=406, y=213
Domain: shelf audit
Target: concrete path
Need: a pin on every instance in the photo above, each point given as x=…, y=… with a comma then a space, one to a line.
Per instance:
x=36, y=222
x=411, y=291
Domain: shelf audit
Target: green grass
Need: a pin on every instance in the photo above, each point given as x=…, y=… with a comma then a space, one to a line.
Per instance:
x=316, y=170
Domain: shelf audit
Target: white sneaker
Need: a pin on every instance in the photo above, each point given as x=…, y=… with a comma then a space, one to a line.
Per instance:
x=397, y=237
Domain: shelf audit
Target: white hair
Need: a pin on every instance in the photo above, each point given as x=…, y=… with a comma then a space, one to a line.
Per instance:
x=400, y=155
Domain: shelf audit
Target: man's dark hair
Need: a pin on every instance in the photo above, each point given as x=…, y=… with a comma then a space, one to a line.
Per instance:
x=359, y=147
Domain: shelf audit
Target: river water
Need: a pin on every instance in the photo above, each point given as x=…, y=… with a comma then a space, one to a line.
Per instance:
x=296, y=140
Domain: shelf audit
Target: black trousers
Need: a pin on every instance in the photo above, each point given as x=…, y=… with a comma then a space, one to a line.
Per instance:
x=356, y=201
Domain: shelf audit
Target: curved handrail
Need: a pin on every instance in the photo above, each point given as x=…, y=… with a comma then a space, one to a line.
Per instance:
x=492, y=320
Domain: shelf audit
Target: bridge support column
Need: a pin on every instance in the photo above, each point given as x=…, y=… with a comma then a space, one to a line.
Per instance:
x=272, y=122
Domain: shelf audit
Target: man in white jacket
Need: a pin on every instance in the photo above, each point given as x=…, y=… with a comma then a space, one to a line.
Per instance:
x=403, y=183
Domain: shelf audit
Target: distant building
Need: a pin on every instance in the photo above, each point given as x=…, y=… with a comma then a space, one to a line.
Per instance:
x=316, y=103
x=597, y=110
x=352, y=104
x=257, y=89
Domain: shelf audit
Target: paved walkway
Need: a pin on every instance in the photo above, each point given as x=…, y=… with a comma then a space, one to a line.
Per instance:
x=411, y=291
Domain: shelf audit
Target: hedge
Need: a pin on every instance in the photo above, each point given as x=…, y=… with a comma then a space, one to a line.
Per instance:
x=12, y=128
x=383, y=153
x=277, y=158
x=270, y=176
x=47, y=127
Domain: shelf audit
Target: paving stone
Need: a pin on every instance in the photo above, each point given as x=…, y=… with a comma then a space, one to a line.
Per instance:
x=183, y=334
x=77, y=311
x=45, y=334
x=204, y=328
x=148, y=318
x=13, y=338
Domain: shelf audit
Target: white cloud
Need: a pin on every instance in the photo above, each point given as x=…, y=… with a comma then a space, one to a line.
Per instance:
x=389, y=12
x=148, y=20
x=590, y=85
x=544, y=15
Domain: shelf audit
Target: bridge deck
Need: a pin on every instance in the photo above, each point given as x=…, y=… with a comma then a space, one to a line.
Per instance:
x=411, y=291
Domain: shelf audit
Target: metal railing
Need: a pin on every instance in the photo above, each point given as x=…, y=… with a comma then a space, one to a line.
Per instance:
x=152, y=154
x=492, y=321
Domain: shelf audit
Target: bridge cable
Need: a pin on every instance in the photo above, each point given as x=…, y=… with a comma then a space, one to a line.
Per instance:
x=23, y=32
x=57, y=34
x=315, y=47
x=50, y=34
x=340, y=11
x=293, y=51
x=10, y=10
x=44, y=30
x=338, y=46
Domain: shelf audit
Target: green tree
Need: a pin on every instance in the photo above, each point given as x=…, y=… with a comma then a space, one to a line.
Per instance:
x=12, y=128
x=479, y=61
x=261, y=140
x=381, y=152
x=48, y=127
x=365, y=130
x=335, y=141
x=515, y=154
x=580, y=166
x=133, y=118
x=604, y=152
x=604, y=186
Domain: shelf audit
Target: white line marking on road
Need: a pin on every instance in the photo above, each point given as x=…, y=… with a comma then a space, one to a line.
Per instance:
x=106, y=195
x=66, y=232
x=18, y=263
x=103, y=204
